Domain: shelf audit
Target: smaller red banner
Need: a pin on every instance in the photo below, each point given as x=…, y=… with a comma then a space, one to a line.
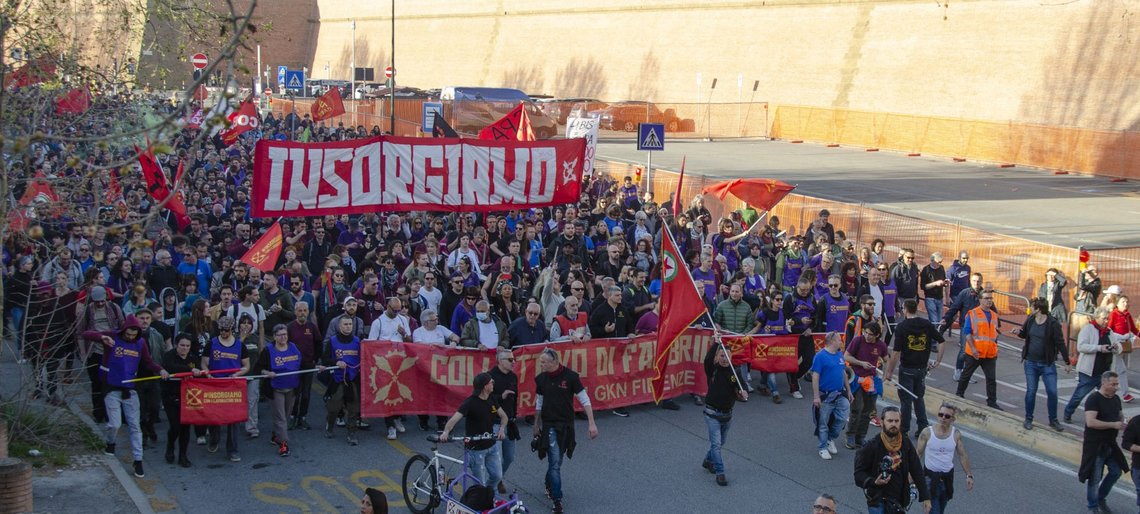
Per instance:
x=214, y=401
x=265, y=252
x=770, y=354
x=329, y=105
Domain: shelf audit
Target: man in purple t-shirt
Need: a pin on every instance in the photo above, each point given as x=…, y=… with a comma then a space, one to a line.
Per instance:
x=866, y=353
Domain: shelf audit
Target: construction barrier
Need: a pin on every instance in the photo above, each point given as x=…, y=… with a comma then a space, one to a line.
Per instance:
x=1010, y=264
x=1112, y=153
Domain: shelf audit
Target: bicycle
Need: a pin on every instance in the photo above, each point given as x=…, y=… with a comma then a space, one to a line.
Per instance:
x=427, y=484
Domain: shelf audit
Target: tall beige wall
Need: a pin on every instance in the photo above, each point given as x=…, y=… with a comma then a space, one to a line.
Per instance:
x=1072, y=64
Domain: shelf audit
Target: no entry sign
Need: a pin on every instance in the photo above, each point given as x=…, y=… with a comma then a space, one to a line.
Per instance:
x=199, y=61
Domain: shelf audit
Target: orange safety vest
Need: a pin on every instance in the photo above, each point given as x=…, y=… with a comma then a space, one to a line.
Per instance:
x=983, y=343
x=567, y=325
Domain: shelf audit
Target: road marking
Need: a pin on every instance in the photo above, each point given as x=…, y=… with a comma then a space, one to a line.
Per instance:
x=402, y=448
x=1123, y=490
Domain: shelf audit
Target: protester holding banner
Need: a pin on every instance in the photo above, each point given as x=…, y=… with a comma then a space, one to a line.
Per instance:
x=799, y=314
x=281, y=357
x=485, y=330
x=343, y=385
x=177, y=360
x=307, y=337
x=225, y=352
x=124, y=353
x=555, y=389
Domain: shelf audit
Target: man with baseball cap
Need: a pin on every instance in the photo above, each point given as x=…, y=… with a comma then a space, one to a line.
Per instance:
x=482, y=413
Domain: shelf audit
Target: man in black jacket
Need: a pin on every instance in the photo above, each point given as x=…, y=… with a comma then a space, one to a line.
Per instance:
x=724, y=390
x=883, y=465
x=1044, y=339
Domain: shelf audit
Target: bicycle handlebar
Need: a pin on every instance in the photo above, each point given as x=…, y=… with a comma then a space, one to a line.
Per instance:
x=481, y=437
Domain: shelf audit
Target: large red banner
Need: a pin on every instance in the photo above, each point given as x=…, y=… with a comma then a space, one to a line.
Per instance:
x=213, y=401
x=390, y=173
x=408, y=378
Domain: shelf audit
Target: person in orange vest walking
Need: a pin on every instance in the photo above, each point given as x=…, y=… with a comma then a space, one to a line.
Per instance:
x=981, y=328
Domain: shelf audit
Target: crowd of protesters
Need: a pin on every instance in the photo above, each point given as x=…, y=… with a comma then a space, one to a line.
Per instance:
x=488, y=280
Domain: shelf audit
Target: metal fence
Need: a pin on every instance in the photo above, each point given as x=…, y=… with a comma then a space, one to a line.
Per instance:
x=1012, y=265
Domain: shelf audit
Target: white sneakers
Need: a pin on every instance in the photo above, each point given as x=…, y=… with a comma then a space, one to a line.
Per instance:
x=824, y=454
x=391, y=433
x=399, y=426
x=831, y=448
x=797, y=395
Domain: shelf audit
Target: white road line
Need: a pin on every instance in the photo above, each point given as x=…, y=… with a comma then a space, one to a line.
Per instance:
x=1128, y=492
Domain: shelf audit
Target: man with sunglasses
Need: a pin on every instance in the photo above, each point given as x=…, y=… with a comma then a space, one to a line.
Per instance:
x=937, y=446
x=506, y=395
x=832, y=308
x=450, y=299
x=980, y=331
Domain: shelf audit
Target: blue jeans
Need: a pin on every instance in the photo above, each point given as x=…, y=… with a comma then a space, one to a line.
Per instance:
x=938, y=499
x=553, y=465
x=914, y=380
x=770, y=380
x=718, y=435
x=878, y=509
x=1096, y=490
x=508, y=451
x=1046, y=372
x=1085, y=385
x=487, y=465
x=934, y=310
x=117, y=409
x=1136, y=483
x=17, y=329
x=840, y=407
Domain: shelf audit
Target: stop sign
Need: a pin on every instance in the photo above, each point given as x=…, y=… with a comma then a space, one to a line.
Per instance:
x=199, y=61
x=389, y=72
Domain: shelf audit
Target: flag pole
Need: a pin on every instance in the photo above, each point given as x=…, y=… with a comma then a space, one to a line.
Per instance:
x=716, y=330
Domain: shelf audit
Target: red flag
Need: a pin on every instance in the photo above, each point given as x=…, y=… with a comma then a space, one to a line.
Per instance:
x=76, y=101
x=329, y=105
x=525, y=132
x=677, y=197
x=195, y=121
x=158, y=186
x=509, y=127
x=241, y=121
x=761, y=193
x=264, y=253
x=681, y=305
x=214, y=401
x=201, y=93
x=32, y=73
x=38, y=195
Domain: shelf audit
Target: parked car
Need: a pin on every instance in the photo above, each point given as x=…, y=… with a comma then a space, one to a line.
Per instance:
x=561, y=108
x=625, y=116
x=473, y=108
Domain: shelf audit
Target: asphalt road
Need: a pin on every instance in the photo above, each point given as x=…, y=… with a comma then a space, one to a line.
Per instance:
x=1066, y=210
x=649, y=462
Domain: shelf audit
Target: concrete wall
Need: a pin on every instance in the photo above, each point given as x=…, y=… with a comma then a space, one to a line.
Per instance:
x=1070, y=64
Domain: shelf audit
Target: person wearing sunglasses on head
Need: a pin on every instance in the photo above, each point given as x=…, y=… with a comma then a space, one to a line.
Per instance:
x=937, y=446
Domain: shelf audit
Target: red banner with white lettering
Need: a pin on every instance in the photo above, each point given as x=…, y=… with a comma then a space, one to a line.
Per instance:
x=213, y=401
x=770, y=354
x=409, y=378
x=390, y=173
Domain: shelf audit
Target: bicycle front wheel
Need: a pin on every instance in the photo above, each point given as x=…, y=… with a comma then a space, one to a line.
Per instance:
x=421, y=492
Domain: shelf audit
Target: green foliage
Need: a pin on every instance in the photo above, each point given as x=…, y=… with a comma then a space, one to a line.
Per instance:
x=56, y=433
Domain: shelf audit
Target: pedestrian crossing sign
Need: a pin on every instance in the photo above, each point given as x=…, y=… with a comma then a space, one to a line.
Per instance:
x=650, y=136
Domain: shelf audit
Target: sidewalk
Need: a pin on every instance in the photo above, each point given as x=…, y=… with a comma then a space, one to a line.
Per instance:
x=92, y=482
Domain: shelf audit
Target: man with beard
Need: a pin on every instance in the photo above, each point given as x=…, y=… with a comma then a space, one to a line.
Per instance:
x=884, y=466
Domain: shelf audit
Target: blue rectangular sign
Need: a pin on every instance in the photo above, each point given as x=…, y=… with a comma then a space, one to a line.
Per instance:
x=295, y=81
x=428, y=119
x=650, y=136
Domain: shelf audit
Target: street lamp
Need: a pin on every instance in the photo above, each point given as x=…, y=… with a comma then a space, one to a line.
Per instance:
x=392, y=81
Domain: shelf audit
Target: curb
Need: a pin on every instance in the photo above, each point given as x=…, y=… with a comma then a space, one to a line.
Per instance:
x=1001, y=425
x=136, y=494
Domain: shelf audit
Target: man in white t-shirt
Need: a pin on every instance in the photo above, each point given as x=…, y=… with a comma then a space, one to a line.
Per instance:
x=431, y=332
x=431, y=295
x=391, y=326
x=249, y=298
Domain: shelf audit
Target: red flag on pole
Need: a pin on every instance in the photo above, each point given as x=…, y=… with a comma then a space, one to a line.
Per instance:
x=158, y=186
x=510, y=127
x=213, y=401
x=241, y=121
x=761, y=193
x=264, y=253
x=329, y=105
x=681, y=305
x=38, y=195
x=677, y=208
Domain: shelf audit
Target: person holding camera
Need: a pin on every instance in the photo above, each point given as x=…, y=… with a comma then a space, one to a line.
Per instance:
x=885, y=464
x=1097, y=353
